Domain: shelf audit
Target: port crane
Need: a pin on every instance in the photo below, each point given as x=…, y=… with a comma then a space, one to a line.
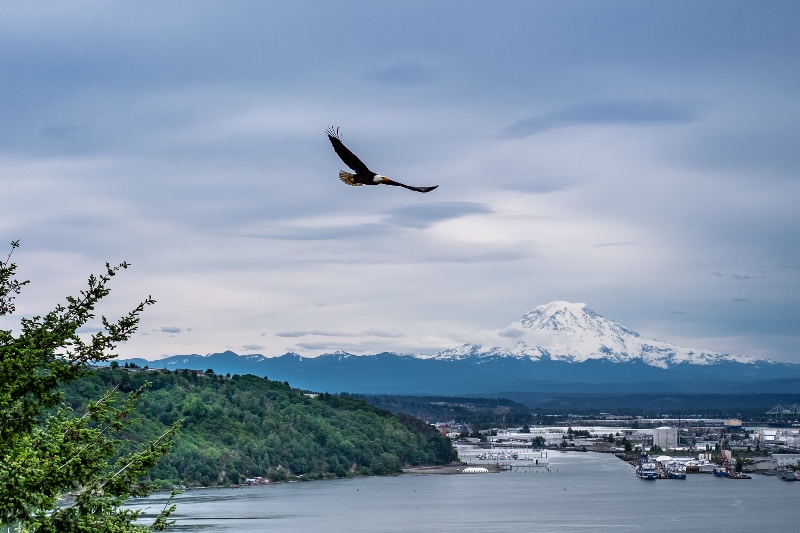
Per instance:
x=788, y=411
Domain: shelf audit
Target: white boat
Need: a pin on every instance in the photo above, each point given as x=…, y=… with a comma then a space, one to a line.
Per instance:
x=675, y=470
x=647, y=468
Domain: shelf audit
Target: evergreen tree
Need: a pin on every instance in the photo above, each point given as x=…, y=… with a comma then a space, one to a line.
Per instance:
x=49, y=451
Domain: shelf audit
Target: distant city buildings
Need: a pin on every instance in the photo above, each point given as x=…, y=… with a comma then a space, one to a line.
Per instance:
x=787, y=459
x=778, y=437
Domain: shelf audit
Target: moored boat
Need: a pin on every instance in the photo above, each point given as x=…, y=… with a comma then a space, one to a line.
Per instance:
x=720, y=471
x=646, y=471
x=646, y=468
x=675, y=470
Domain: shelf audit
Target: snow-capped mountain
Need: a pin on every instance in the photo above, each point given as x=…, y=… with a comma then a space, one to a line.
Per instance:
x=572, y=332
x=559, y=346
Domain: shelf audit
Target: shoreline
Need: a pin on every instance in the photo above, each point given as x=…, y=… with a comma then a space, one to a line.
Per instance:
x=451, y=469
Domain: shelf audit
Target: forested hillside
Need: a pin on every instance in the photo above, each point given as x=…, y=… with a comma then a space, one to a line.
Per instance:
x=251, y=426
x=478, y=413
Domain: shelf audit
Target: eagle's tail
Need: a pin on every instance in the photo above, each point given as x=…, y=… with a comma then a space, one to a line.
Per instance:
x=348, y=178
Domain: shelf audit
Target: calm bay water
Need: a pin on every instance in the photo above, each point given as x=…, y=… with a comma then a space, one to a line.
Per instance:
x=583, y=490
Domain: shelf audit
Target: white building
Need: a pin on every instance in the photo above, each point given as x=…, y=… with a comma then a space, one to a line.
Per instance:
x=787, y=459
x=665, y=437
x=786, y=437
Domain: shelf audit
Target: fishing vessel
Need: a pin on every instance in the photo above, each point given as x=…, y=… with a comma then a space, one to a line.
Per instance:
x=724, y=468
x=646, y=468
x=675, y=470
x=720, y=471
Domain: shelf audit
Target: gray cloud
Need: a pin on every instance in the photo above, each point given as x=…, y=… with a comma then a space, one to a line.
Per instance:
x=403, y=74
x=318, y=332
x=738, y=277
x=323, y=233
x=412, y=216
x=679, y=312
x=316, y=345
x=381, y=333
x=253, y=347
x=475, y=258
x=632, y=112
x=59, y=132
x=609, y=244
x=511, y=333
x=543, y=185
x=326, y=333
x=425, y=215
x=740, y=299
x=171, y=329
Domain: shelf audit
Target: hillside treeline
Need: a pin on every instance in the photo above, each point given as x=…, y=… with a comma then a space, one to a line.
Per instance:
x=478, y=413
x=247, y=426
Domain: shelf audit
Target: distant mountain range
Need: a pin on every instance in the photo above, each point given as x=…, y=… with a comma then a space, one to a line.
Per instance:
x=557, y=347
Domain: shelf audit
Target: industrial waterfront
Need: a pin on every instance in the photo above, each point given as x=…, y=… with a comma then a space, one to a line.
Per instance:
x=724, y=448
x=591, y=491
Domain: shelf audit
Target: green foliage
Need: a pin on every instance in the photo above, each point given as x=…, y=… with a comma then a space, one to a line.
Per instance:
x=46, y=450
x=253, y=426
x=10, y=287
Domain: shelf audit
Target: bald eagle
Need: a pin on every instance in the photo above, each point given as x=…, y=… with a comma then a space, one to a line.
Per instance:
x=363, y=175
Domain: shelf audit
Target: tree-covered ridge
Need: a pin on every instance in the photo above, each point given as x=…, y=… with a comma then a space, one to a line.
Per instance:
x=478, y=413
x=248, y=426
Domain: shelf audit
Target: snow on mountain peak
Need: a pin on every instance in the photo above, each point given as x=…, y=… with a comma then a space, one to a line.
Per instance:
x=567, y=318
x=572, y=332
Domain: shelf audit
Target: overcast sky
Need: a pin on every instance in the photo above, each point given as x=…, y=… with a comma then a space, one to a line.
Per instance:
x=641, y=157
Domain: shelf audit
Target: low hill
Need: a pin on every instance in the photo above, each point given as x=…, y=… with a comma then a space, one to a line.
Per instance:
x=251, y=426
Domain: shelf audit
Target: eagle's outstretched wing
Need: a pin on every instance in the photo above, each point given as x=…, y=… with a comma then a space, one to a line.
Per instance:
x=418, y=189
x=349, y=158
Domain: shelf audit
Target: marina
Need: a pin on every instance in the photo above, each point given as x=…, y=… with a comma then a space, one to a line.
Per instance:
x=506, y=459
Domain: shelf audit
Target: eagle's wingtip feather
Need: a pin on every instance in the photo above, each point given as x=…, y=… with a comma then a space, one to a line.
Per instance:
x=333, y=133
